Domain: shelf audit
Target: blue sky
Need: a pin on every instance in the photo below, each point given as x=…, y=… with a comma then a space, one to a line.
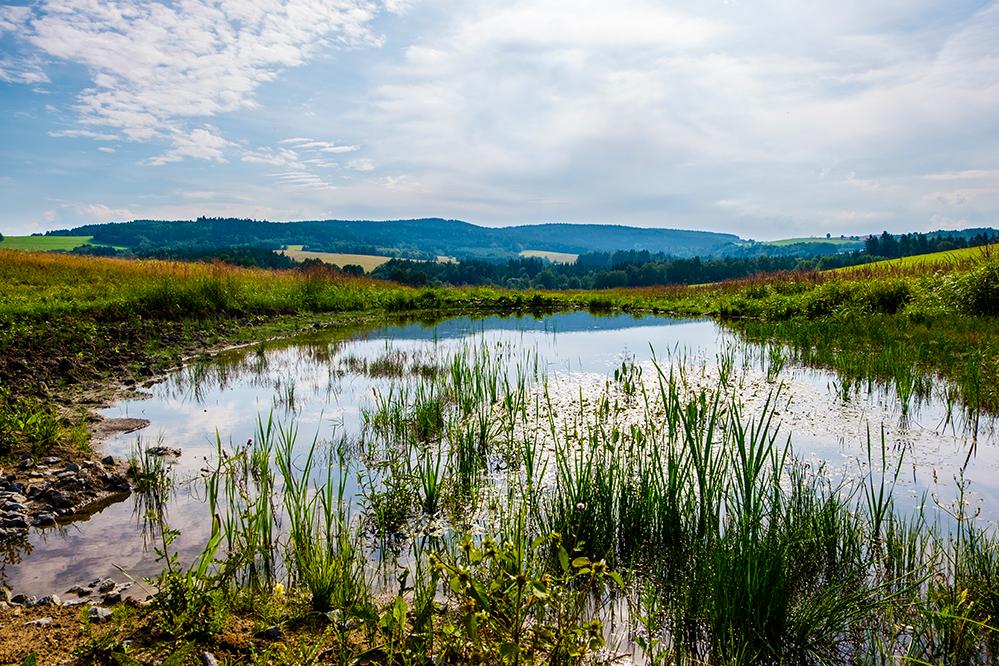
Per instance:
x=768, y=118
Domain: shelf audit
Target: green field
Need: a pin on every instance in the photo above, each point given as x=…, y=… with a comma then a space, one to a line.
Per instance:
x=43, y=243
x=554, y=257
x=926, y=261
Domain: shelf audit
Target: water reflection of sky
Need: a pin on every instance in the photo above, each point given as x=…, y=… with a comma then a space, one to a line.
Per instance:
x=225, y=396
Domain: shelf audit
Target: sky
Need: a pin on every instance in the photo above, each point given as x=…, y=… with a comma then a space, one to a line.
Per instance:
x=765, y=118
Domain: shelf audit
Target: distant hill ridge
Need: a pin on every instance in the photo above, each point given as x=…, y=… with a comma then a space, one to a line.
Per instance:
x=426, y=237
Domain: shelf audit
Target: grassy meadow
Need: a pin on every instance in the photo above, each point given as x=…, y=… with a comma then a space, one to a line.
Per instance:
x=506, y=530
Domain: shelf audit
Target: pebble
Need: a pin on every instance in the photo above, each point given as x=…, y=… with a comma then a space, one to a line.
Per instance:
x=208, y=659
x=112, y=598
x=40, y=622
x=104, y=585
x=50, y=600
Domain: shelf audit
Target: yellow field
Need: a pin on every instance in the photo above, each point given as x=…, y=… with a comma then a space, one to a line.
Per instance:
x=554, y=257
x=947, y=258
x=368, y=262
x=43, y=243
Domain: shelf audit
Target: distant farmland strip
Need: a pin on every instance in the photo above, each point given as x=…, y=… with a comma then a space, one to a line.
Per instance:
x=368, y=262
x=554, y=257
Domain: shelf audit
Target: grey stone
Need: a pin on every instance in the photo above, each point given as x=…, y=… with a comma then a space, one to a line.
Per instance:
x=50, y=600
x=112, y=598
x=51, y=460
x=105, y=585
x=98, y=614
x=71, y=467
x=19, y=599
x=44, y=519
x=16, y=507
x=208, y=659
x=40, y=622
x=79, y=591
x=17, y=523
x=108, y=460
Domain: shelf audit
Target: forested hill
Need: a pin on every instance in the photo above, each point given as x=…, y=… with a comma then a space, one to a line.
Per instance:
x=423, y=238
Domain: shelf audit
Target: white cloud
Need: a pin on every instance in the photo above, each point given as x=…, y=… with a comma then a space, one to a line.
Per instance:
x=203, y=143
x=362, y=165
x=84, y=133
x=12, y=18
x=22, y=70
x=156, y=66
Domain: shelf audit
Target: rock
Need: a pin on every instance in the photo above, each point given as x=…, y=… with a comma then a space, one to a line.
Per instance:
x=104, y=585
x=112, y=598
x=162, y=451
x=51, y=460
x=60, y=500
x=44, y=519
x=17, y=498
x=98, y=614
x=26, y=463
x=50, y=600
x=208, y=659
x=18, y=523
x=271, y=633
x=71, y=467
x=79, y=591
x=40, y=622
x=16, y=507
x=108, y=460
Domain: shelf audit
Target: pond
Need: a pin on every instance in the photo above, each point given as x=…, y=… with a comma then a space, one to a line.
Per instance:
x=326, y=383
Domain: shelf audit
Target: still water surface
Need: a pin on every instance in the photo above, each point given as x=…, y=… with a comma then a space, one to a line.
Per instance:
x=304, y=379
